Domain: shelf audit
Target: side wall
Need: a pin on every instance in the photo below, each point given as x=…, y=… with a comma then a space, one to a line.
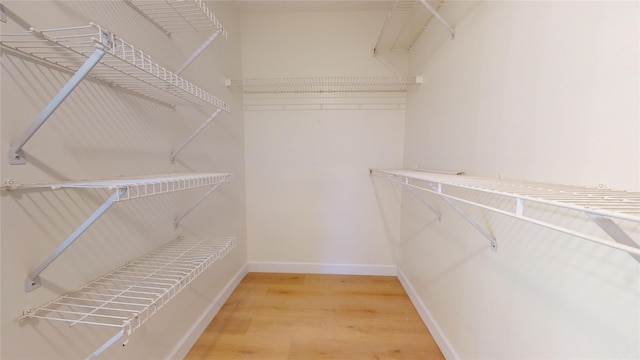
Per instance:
x=541, y=91
x=310, y=200
x=102, y=132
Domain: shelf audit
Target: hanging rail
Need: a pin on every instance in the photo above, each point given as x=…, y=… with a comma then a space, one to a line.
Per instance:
x=127, y=297
x=599, y=205
x=83, y=50
x=125, y=189
x=326, y=84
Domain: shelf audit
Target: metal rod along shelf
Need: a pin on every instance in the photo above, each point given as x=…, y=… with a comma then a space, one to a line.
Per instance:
x=127, y=297
x=92, y=51
x=379, y=84
x=124, y=189
x=602, y=206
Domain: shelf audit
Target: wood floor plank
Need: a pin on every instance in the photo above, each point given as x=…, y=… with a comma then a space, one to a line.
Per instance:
x=310, y=316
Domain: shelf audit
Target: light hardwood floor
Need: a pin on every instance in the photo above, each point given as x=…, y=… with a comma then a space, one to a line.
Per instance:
x=303, y=316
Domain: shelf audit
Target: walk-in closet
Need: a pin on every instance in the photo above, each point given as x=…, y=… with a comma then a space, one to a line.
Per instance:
x=319, y=179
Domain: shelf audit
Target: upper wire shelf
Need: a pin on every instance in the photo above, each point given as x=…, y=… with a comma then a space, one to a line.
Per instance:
x=600, y=205
x=127, y=297
x=136, y=187
x=326, y=84
x=404, y=23
x=125, y=66
x=178, y=15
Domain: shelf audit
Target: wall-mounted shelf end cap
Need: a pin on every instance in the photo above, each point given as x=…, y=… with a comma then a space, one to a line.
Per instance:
x=419, y=79
x=32, y=284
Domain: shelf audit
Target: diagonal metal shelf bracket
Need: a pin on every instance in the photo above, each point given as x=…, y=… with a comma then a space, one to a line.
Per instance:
x=198, y=51
x=193, y=136
x=16, y=153
x=3, y=16
x=437, y=15
x=616, y=233
x=602, y=206
x=176, y=223
x=33, y=279
x=422, y=201
x=437, y=189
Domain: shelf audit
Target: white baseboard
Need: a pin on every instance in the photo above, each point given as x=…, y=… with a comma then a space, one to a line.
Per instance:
x=319, y=268
x=198, y=327
x=440, y=338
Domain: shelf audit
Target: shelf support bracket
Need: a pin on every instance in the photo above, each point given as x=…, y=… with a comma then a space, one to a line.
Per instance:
x=199, y=51
x=616, y=233
x=437, y=15
x=438, y=190
x=423, y=202
x=188, y=141
x=176, y=223
x=106, y=345
x=3, y=15
x=33, y=279
x=16, y=153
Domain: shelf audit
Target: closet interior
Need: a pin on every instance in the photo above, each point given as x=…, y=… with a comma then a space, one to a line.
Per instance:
x=487, y=154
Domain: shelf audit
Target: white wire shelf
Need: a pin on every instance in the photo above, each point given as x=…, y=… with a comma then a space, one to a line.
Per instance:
x=134, y=188
x=174, y=16
x=600, y=205
x=397, y=84
x=404, y=23
x=124, y=65
x=127, y=297
x=123, y=189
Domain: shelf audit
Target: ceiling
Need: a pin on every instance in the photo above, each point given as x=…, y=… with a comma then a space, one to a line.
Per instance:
x=254, y=6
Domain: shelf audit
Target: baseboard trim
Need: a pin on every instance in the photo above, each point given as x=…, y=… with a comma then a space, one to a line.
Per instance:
x=438, y=335
x=198, y=327
x=320, y=268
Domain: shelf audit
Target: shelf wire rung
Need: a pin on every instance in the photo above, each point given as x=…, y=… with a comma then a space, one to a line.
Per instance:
x=129, y=319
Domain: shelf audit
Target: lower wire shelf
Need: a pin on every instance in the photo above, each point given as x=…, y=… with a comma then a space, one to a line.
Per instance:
x=127, y=297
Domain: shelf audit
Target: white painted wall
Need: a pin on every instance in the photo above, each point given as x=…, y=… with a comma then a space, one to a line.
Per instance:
x=543, y=91
x=101, y=132
x=310, y=199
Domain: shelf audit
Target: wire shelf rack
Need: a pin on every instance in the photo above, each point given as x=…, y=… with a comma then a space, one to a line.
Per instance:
x=127, y=297
x=600, y=205
x=404, y=23
x=174, y=16
x=397, y=84
x=136, y=187
x=124, y=66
